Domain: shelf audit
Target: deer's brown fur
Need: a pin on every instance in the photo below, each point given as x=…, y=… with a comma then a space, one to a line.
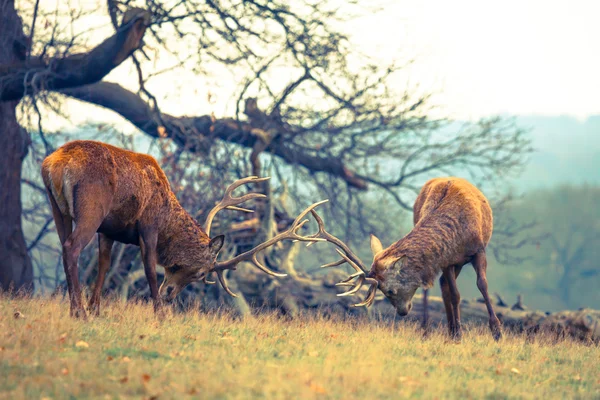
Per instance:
x=125, y=197
x=453, y=225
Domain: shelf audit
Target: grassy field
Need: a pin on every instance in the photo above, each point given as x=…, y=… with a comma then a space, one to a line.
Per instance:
x=130, y=353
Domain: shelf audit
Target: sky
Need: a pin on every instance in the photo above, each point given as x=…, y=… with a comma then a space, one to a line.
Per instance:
x=478, y=58
x=495, y=57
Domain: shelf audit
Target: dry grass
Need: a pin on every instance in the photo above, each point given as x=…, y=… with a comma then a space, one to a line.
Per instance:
x=128, y=352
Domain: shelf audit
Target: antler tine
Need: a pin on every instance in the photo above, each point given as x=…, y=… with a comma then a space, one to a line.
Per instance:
x=238, y=209
x=332, y=264
x=356, y=288
x=349, y=257
x=303, y=214
x=251, y=255
x=347, y=282
x=349, y=261
x=322, y=233
x=265, y=269
x=370, y=295
x=223, y=283
x=243, y=181
x=230, y=202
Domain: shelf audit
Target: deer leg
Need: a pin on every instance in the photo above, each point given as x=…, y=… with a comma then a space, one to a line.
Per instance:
x=64, y=227
x=425, y=322
x=480, y=265
x=457, y=269
x=148, y=241
x=63, y=223
x=67, y=227
x=447, y=303
x=450, y=275
x=104, y=248
x=81, y=236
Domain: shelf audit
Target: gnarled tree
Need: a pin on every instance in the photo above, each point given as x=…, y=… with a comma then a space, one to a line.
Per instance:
x=313, y=111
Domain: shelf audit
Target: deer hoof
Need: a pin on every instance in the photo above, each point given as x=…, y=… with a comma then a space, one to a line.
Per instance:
x=79, y=313
x=496, y=333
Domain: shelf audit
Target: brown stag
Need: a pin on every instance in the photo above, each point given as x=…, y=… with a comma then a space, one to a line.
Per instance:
x=126, y=197
x=453, y=225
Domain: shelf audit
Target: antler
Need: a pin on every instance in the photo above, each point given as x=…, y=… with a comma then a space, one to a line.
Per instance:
x=230, y=203
x=347, y=257
x=250, y=255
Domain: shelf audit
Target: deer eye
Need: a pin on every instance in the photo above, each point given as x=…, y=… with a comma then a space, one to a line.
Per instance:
x=175, y=269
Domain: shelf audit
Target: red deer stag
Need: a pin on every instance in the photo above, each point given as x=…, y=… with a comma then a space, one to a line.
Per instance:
x=453, y=225
x=126, y=197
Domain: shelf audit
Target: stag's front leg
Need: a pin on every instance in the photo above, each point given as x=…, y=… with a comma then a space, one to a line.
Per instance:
x=480, y=265
x=447, y=297
x=450, y=274
x=425, y=322
x=148, y=242
x=104, y=249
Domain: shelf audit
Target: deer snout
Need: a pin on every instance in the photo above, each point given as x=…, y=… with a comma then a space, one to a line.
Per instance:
x=404, y=309
x=167, y=291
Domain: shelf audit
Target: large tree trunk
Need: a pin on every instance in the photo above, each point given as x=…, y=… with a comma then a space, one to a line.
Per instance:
x=16, y=80
x=15, y=266
x=16, y=271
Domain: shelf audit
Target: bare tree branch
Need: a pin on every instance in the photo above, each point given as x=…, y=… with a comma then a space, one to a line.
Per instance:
x=195, y=133
x=37, y=74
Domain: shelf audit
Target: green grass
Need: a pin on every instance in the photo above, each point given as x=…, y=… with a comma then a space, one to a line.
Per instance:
x=132, y=353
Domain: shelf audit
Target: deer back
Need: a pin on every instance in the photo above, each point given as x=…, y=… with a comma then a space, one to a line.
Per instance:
x=90, y=179
x=455, y=206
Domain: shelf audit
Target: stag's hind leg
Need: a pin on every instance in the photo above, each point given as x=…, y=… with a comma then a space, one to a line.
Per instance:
x=81, y=236
x=64, y=227
x=89, y=214
x=480, y=265
x=63, y=222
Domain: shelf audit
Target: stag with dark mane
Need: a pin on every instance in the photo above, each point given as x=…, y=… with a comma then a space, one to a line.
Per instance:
x=126, y=197
x=453, y=225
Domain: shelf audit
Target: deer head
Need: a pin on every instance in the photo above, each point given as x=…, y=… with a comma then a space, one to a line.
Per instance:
x=394, y=276
x=389, y=273
x=194, y=262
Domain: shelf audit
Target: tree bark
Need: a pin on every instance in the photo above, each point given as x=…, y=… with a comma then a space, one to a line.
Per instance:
x=16, y=271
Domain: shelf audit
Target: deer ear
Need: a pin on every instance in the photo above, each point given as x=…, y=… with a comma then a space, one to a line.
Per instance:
x=376, y=245
x=402, y=261
x=215, y=244
x=396, y=263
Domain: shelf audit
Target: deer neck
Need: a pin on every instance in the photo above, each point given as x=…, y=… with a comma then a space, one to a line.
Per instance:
x=179, y=236
x=426, y=250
